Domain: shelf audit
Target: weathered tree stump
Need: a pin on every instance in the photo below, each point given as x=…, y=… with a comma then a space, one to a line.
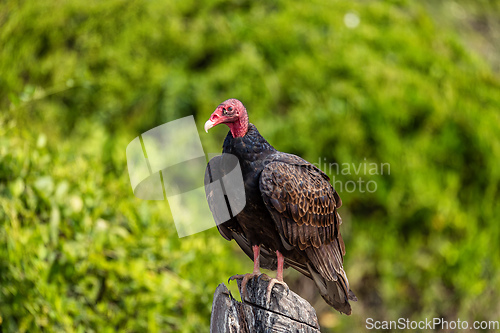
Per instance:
x=286, y=312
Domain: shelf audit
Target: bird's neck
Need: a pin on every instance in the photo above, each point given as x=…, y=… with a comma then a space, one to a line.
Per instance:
x=249, y=146
x=240, y=127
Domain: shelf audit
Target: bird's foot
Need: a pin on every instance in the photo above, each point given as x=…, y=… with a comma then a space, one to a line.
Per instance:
x=270, y=286
x=246, y=278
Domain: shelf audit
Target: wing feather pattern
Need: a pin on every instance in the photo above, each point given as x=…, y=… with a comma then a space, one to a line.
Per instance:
x=304, y=205
x=302, y=202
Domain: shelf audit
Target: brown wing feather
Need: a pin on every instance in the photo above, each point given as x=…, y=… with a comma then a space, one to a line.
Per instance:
x=304, y=205
x=302, y=202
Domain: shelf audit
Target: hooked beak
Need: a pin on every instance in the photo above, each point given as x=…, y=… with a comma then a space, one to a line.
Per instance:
x=209, y=124
x=215, y=119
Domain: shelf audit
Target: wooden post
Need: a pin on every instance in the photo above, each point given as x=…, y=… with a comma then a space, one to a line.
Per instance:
x=286, y=312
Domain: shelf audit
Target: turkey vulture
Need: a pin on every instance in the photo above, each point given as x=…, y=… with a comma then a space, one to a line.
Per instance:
x=290, y=218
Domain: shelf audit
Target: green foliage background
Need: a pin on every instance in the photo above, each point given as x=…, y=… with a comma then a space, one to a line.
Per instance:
x=414, y=85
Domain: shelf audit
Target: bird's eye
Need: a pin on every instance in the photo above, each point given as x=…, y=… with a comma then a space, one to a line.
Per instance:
x=230, y=109
x=224, y=111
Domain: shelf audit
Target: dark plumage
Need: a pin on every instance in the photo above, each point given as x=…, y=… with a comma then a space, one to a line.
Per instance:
x=290, y=212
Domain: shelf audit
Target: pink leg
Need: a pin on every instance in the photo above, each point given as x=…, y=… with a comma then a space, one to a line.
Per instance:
x=281, y=261
x=247, y=277
x=279, y=277
x=256, y=259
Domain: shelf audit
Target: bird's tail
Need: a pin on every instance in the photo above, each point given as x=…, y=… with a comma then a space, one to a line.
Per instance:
x=328, y=273
x=333, y=292
x=325, y=267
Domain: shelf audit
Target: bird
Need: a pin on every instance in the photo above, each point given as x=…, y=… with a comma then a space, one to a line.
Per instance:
x=290, y=217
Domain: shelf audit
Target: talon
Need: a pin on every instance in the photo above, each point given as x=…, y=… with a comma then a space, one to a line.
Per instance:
x=272, y=282
x=235, y=277
x=245, y=278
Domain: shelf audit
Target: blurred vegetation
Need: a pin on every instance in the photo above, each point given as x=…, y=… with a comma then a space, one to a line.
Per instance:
x=412, y=84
